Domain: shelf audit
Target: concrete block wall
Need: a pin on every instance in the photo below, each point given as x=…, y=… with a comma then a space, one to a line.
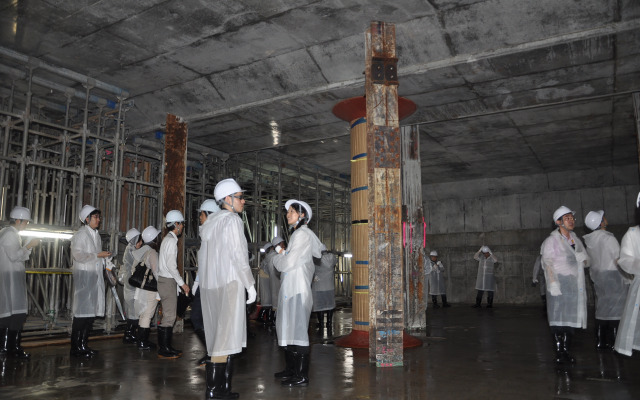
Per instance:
x=513, y=216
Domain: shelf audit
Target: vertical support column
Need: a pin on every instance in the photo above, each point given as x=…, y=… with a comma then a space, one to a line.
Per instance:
x=636, y=111
x=413, y=230
x=175, y=172
x=386, y=314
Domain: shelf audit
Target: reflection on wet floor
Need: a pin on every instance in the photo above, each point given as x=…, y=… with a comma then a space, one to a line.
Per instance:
x=502, y=353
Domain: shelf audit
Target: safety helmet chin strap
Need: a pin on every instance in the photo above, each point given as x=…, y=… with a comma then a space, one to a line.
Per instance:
x=230, y=205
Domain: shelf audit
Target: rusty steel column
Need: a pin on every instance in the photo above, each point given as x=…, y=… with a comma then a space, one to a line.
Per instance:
x=175, y=173
x=386, y=314
x=413, y=230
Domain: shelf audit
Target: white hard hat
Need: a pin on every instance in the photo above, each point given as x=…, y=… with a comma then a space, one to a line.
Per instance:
x=593, y=219
x=277, y=240
x=433, y=253
x=226, y=187
x=131, y=234
x=149, y=233
x=303, y=204
x=174, y=216
x=562, y=210
x=22, y=213
x=209, y=205
x=267, y=246
x=86, y=210
x=485, y=249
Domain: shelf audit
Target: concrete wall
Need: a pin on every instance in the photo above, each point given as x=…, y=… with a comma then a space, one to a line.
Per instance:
x=513, y=216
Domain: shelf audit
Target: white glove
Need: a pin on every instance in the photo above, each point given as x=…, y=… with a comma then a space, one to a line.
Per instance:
x=252, y=294
x=194, y=288
x=278, y=249
x=554, y=289
x=581, y=257
x=535, y=281
x=109, y=265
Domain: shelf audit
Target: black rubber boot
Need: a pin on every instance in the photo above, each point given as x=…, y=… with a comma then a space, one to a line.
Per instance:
x=260, y=317
x=201, y=336
x=557, y=341
x=566, y=346
x=4, y=341
x=84, y=338
x=329, y=319
x=164, y=351
x=76, y=339
x=170, y=341
x=301, y=377
x=444, y=301
x=272, y=318
x=601, y=335
x=613, y=333
x=130, y=331
x=490, y=299
x=289, y=359
x=320, y=317
x=478, y=299
x=228, y=376
x=15, y=348
x=143, y=339
x=216, y=374
x=434, y=301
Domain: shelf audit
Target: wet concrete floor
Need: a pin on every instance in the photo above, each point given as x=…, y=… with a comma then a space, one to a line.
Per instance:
x=500, y=353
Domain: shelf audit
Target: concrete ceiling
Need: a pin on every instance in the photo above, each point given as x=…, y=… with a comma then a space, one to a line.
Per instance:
x=503, y=87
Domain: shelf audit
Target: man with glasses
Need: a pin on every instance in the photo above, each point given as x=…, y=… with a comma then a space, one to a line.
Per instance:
x=563, y=261
x=169, y=280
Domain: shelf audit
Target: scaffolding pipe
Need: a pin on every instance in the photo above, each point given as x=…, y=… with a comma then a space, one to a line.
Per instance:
x=27, y=112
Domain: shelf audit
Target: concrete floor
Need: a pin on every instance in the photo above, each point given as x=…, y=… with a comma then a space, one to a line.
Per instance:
x=500, y=353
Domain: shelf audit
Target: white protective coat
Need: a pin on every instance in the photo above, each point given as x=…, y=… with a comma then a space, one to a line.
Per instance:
x=265, y=280
x=13, y=279
x=142, y=298
x=486, y=265
x=224, y=275
x=128, y=263
x=323, y=285
x=610, y=287
x=628, y=337
x=274, y=280
x=436, y=279
x=88, y=280
x=564, y=272
x=295, y=299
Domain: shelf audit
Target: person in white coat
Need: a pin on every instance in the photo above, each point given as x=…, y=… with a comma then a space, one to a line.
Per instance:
x=323, y=288
x=134, y=241
x=264, y=279
x=563, y=261
x=628, y=337
x=274, y=280
x=485, y=281
x=609, y=283
x=88, y=282
x=13, y=283
x=224, y=274
x=146, y=301
x=295, y=300
x=437, y=285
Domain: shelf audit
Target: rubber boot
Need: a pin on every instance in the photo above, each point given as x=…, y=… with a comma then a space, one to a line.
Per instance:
x=613, y=333
x=164, y=351
x=320, y=317
x=444, y=301
x=170, y=341
x=228, y=376
x=289, y=359
x=329, y=319
x=272, y=318
x=129, y=332
x=4, y=341
x=601, y=335
x=434, y=301
x=84, y=338
x=217, y=383
x=478, y=299
x=566, y=346
x=76, y=340
x=143, y=339
x=15, y=348
x=261, y=313
x=557, y=341
x=201, y=336
x=301, y=370
x=489, y=299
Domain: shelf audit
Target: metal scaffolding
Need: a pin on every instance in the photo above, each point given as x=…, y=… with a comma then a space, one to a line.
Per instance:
x=63, y=147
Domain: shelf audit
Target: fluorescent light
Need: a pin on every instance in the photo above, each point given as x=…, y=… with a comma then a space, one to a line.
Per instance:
x=275, y=231
x=347, y=255
x=46, y=234
x=261, y=250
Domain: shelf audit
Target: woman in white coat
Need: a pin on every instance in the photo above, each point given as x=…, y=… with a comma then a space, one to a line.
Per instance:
x=134, y=241
x=146, y=301
x=88, y=282
x=437, y=286
x=224, y=274
x=628, y=338
x=610, y=285
x=563, y=261
x=485, y=281
x=295, y=300
x=13, y=283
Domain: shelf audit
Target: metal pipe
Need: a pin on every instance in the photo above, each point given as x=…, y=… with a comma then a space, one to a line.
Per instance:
x=27, y=114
